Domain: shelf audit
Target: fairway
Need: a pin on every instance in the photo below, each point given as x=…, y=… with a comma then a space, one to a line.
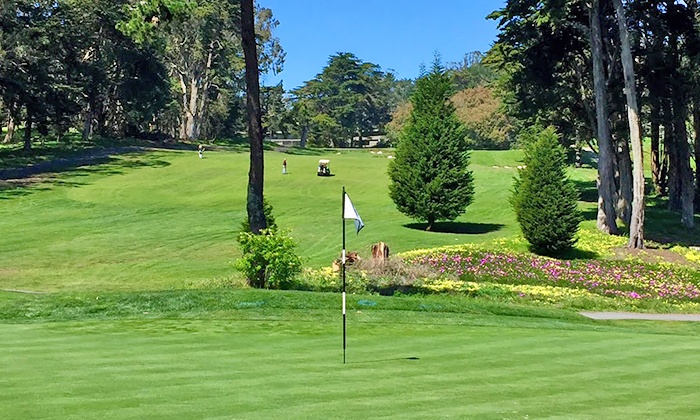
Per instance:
x=167, y=219
x=272, y=368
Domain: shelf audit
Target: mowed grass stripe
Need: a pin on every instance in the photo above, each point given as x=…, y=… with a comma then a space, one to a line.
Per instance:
x=219, y=368
x=155, y=220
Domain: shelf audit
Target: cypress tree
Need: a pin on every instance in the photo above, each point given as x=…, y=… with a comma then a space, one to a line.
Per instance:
x=430, y=180
x=544, y=199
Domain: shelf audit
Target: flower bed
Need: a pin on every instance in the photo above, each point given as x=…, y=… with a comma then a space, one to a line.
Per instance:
x=604, y=278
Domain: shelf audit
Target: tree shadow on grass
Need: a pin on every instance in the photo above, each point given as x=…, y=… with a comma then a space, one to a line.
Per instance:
x=587, y=189
x=660, y=225
x=68, y=173
x=664, y=226
x=576, y=254
x=458, y=227
x=298, y=151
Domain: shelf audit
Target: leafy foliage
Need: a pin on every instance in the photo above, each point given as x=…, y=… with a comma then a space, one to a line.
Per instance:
x=429, y=177
x=347, y=98
x=480, y=111
x=272, y=253
x=472, y=71
x=544, y=200
x=268, y=259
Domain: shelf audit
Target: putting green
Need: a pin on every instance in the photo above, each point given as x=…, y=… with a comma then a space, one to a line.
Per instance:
x=279, y=369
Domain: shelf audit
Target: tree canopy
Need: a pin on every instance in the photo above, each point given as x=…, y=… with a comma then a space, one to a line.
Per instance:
x=349, y=98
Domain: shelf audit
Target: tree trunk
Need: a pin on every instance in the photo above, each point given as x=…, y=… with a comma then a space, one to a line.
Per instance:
x=431, y=224
x=304, y=135
x=655, y=151
x=10, y=130
x=696, y=153
x=681, y=191
x=685, y=173
x=667, y=147
x=637, y=217
x=190, y=98
x=625, y=193
x=28, y=131
x=88, y=123
x=606, y=178
x=256, y=215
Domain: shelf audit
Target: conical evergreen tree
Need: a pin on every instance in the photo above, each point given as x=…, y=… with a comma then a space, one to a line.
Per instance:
x=544, y=200
x=429, y=177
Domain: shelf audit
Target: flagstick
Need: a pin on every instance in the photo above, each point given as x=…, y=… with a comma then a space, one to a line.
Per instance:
x=343, y=270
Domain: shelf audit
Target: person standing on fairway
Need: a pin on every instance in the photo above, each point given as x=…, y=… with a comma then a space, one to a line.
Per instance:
x=284, y=167
x=200, y=149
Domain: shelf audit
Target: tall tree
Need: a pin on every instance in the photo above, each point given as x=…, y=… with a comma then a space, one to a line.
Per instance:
x=607, y=217
x=348, y=98
x=38, y=65
x=430, y=180
x=255, y=207
x=276, y=112
x=201, y=46
x=636, y=239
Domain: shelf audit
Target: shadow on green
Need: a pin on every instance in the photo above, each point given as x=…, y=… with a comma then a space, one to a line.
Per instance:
x=458, y=227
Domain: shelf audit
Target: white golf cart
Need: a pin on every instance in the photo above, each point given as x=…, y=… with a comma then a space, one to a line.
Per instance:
x=324, y=168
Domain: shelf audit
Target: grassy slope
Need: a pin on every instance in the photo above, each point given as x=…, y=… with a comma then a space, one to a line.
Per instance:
x=162, y=220
x=167, y=219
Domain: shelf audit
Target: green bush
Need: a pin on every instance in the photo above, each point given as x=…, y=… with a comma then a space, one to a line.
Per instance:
x=271, y=253
x=544, y=200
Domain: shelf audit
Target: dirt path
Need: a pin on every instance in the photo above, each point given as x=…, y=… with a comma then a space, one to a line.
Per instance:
x=641, y=316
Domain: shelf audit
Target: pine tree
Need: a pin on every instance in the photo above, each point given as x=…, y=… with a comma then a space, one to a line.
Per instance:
x=544, y=200
x=430, y=180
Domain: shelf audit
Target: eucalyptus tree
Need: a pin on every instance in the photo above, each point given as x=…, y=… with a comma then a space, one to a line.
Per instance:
x=276, y=110
x=255, y=201
x=472, y=71
x=636, y=239
x=201, y=46
x=546, y=52
x=668, y=56
x=606, y=220
x=124, y=86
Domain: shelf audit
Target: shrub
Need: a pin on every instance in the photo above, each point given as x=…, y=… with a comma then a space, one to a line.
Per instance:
x=268, y=259
x=270, y=253
x=544, y=200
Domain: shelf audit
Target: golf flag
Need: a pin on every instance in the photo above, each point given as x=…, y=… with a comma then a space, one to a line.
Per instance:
x=349, y=212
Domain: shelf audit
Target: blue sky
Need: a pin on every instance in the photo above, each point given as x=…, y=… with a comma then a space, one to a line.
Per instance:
x=398, y=35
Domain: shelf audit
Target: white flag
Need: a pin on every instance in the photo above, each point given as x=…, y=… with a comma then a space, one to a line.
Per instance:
x=351, y=213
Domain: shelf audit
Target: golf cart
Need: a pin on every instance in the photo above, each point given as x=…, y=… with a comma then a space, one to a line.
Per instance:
x=324, y=168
